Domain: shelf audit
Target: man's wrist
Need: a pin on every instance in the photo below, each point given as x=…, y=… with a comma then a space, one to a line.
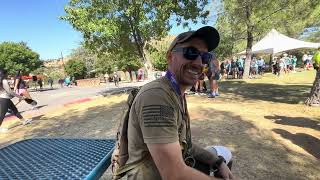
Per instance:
x=219, y=162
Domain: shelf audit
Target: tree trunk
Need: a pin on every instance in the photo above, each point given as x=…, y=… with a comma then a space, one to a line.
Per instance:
x=140, y=45
x=248, y=55
x=148, y=66
x=249, y=41
x=314, y=97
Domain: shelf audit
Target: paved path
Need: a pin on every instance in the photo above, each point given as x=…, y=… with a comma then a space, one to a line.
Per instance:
x=49, y=99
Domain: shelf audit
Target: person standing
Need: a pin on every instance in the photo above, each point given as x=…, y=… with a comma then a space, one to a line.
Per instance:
x=20, y=86
x=294, y=63
x=40, y=82
x=305, y=61
x=50, y=82
x=260, y=63
x=240, y=65
x=116, y=79
x=214, y=70
x=5, y=101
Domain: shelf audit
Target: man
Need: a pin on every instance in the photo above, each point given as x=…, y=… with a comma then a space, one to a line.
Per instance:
x=158, y=131
x=213, y=77
x=260, y=64
x=116, y=79
x=50, y=82
x=240, y=65
x=294, y=63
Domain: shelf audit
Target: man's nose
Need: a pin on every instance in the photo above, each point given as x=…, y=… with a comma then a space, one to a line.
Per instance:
x=198, y=60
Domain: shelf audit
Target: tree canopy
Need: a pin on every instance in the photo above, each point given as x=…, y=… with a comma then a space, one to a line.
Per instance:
x=76, y=68
x=126, y=27
x=18, y=56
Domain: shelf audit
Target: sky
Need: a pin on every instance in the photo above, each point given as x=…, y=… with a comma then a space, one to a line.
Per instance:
x=37, y=23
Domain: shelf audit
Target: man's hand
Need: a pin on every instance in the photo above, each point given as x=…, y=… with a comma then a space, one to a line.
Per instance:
x=168, y=159
x=225, y=172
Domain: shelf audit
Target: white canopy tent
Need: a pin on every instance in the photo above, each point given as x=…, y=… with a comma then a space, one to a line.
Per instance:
x=275, y=42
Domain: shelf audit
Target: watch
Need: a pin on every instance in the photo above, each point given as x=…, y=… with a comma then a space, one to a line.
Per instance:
x=218, y=163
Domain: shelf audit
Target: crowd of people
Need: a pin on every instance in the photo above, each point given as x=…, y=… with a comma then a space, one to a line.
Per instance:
x=284, y=64
x=68, y=81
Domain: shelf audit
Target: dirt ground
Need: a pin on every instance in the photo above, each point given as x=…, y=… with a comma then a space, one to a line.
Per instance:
x=271, y=133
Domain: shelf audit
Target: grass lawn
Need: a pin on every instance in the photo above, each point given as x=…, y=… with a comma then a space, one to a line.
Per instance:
x=263, y=121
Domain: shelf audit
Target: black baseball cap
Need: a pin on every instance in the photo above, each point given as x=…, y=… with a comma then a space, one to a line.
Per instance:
x=207, y=33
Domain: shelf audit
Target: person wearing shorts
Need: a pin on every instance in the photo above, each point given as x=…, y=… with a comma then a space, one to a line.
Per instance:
x=5, y=101
x=214, y=69
x=20, y=86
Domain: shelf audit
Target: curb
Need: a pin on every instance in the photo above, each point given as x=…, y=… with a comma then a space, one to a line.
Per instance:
x=78, y=101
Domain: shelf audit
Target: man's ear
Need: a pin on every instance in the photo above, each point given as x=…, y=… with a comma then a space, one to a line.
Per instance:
x=169, y=57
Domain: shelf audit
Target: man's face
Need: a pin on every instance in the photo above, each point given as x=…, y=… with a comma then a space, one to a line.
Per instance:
x=187, y=72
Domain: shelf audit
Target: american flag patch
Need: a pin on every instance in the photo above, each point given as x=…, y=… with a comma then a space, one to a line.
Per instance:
x=158, y=116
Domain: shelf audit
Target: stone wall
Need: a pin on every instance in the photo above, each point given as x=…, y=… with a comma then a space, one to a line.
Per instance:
x=88, y=82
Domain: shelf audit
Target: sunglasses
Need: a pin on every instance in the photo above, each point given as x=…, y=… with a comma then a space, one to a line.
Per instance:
x=192, y=53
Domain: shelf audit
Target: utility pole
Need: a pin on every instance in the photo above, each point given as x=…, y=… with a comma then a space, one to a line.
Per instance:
x=64, y=68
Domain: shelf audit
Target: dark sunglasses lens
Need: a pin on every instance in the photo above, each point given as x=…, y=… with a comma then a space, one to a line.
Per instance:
x=191, y=53
x=206, y=57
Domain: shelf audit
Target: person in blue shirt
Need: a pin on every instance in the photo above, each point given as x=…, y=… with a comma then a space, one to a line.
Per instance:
x=260, y=64
x=240, y=65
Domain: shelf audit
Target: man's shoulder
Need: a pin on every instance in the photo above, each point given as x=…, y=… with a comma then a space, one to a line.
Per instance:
x=156, y=91
x=158, y=84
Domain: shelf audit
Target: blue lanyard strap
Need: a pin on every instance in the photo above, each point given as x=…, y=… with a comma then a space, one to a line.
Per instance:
x=173, y=82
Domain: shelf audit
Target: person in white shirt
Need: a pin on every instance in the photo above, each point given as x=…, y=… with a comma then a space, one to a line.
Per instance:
x=5, y=101
x=305, y=61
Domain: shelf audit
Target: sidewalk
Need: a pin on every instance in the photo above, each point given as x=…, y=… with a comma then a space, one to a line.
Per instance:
x=11, y=121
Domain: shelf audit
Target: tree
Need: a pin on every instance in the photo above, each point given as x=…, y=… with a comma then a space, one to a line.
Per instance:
x=15, y=56
x=229, y=42
x=83, y=54
x=76, y=68
x=158, y=52
x=254, y=18
x=127, y=26
x=314, y=97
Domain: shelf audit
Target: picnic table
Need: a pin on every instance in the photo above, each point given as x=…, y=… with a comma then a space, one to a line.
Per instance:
x=56, y=159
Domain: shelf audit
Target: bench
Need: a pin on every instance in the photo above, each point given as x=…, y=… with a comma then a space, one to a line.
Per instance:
x=56, y=159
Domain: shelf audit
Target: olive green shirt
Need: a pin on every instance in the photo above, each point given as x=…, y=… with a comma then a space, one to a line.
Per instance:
x=156, y=117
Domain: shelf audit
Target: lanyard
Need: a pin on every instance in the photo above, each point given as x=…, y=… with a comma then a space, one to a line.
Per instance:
x=176, y=87
x=173, y=81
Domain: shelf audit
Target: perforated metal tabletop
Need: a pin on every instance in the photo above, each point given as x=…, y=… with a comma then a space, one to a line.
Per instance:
x=56, y=159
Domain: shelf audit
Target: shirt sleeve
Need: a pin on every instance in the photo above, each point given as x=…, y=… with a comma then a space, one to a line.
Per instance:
x=157, y=117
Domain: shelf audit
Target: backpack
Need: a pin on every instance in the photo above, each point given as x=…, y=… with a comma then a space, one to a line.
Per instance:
x=120, y=154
